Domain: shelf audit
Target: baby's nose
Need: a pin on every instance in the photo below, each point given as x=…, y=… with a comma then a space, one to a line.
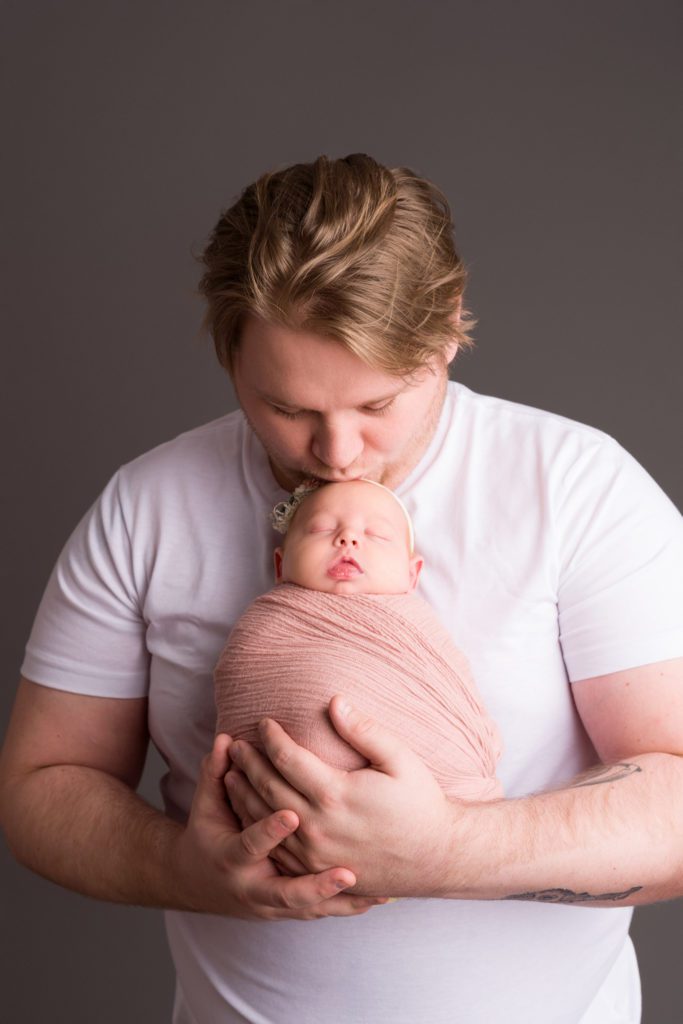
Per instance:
x=347, y=539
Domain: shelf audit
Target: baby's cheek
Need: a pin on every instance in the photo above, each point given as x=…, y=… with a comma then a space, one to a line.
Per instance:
x=307, y=572
x=390, y=575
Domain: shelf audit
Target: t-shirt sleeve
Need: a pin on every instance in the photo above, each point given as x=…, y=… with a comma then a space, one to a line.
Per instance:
x=89, y=633
x=620, y=538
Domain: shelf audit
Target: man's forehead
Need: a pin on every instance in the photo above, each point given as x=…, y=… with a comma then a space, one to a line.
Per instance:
x=306, y=371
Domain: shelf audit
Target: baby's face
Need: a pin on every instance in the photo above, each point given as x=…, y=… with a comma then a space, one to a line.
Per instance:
x=349, y=538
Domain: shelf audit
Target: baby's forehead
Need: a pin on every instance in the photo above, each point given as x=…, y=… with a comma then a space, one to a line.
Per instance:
x=357, y=495
x=373, y=503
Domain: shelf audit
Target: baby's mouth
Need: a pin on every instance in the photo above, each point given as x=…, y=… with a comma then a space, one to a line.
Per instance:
x=344, y=568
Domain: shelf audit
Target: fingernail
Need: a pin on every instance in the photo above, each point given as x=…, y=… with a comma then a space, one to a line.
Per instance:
x=341, y=885
x=343, y=707
x=392, y=899
x=235, y=753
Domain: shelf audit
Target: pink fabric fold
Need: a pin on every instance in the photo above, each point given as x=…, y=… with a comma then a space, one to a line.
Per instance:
x=294, y=648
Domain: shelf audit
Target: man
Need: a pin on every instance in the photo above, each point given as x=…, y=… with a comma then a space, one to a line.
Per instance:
x=335, y=302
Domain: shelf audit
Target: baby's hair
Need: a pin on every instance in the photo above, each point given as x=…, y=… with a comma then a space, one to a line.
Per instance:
x=283, y=513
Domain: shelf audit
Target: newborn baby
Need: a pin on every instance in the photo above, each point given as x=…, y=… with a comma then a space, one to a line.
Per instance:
x=344, y=618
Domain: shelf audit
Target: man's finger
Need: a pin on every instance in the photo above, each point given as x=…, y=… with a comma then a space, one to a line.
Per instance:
x=306, y=773
x=307, y=891
x=219, y=757
x=244, y=798
x=255, y=842
x=288, y=863
x=209, y=799
x=345, y=905
x=236, y=801
x=249, y=808
x=381, y=748
x=265, y=774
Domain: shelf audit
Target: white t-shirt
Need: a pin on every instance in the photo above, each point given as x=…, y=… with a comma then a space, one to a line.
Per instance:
x=550, y=555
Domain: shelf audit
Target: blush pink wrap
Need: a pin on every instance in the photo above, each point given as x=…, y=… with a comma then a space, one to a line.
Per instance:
x=294, y=648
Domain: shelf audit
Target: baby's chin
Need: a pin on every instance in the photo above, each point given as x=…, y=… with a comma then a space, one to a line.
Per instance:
x=356, y=585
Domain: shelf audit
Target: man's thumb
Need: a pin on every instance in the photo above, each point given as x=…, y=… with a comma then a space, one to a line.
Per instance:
x=210, y=799
x=381, y=747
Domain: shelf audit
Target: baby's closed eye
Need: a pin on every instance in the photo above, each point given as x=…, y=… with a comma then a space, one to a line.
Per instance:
x=321, y=526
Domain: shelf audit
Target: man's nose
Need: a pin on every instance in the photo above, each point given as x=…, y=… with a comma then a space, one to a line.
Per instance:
x=337, y=446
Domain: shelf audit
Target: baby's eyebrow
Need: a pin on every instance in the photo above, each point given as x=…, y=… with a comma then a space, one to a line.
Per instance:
x=384, y=520
x=319, y=517
x=327, y=517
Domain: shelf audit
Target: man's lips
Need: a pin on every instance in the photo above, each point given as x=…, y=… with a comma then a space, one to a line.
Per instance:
x=344, y=568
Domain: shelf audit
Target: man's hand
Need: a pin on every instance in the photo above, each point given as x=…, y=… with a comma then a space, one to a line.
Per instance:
x=390, y=823
x=224, y=870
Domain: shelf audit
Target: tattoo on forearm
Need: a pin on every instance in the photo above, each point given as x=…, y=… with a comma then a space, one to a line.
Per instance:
x=568, y=896
x=593, y=777
x=605, y=773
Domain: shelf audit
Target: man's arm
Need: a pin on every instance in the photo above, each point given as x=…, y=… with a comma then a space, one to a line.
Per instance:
x=68, y=772
x=613, y=837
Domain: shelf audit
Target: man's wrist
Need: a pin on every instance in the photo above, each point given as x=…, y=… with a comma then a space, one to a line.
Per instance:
x=469, y=860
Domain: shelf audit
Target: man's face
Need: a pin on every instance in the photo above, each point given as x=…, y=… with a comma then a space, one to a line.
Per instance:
x=349, y=538
x=320, y=411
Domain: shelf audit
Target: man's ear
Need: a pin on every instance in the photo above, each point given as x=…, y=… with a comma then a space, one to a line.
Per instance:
x=451, y=349
x=277, y=562
x=416, y=564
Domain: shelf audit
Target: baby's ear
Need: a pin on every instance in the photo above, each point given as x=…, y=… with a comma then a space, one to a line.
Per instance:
x=277, y=562
x=416, y=564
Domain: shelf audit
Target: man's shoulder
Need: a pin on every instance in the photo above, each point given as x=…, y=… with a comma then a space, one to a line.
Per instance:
x=201, y=450
x=537, y=449
x=515, y=429
x=505, y=413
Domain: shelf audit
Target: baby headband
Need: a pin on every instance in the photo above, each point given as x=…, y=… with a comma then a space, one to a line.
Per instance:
x=283, y=513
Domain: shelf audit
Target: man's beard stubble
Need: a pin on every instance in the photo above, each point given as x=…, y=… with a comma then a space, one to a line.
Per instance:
x=391, y=474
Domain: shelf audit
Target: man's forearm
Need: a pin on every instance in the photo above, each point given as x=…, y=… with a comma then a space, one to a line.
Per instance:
x=612, y=838
x=90, y=832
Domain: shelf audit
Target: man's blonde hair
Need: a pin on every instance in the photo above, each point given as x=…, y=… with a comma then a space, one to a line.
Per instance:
x=346, y=249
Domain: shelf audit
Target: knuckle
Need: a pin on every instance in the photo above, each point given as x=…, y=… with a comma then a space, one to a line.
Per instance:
x=313, y=841
x=323, y=889
x=330, y=798
x=366, y=725
x=251, y=806
x=318, y=864
x=248, y=844
x=241, y=897
x=280, y=759
x=267, y=791
x=283, y=900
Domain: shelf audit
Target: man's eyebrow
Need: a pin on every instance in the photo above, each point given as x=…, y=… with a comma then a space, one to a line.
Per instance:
x=275, y=400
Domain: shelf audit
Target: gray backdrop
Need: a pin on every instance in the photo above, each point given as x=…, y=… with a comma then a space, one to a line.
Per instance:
x=552, y=127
